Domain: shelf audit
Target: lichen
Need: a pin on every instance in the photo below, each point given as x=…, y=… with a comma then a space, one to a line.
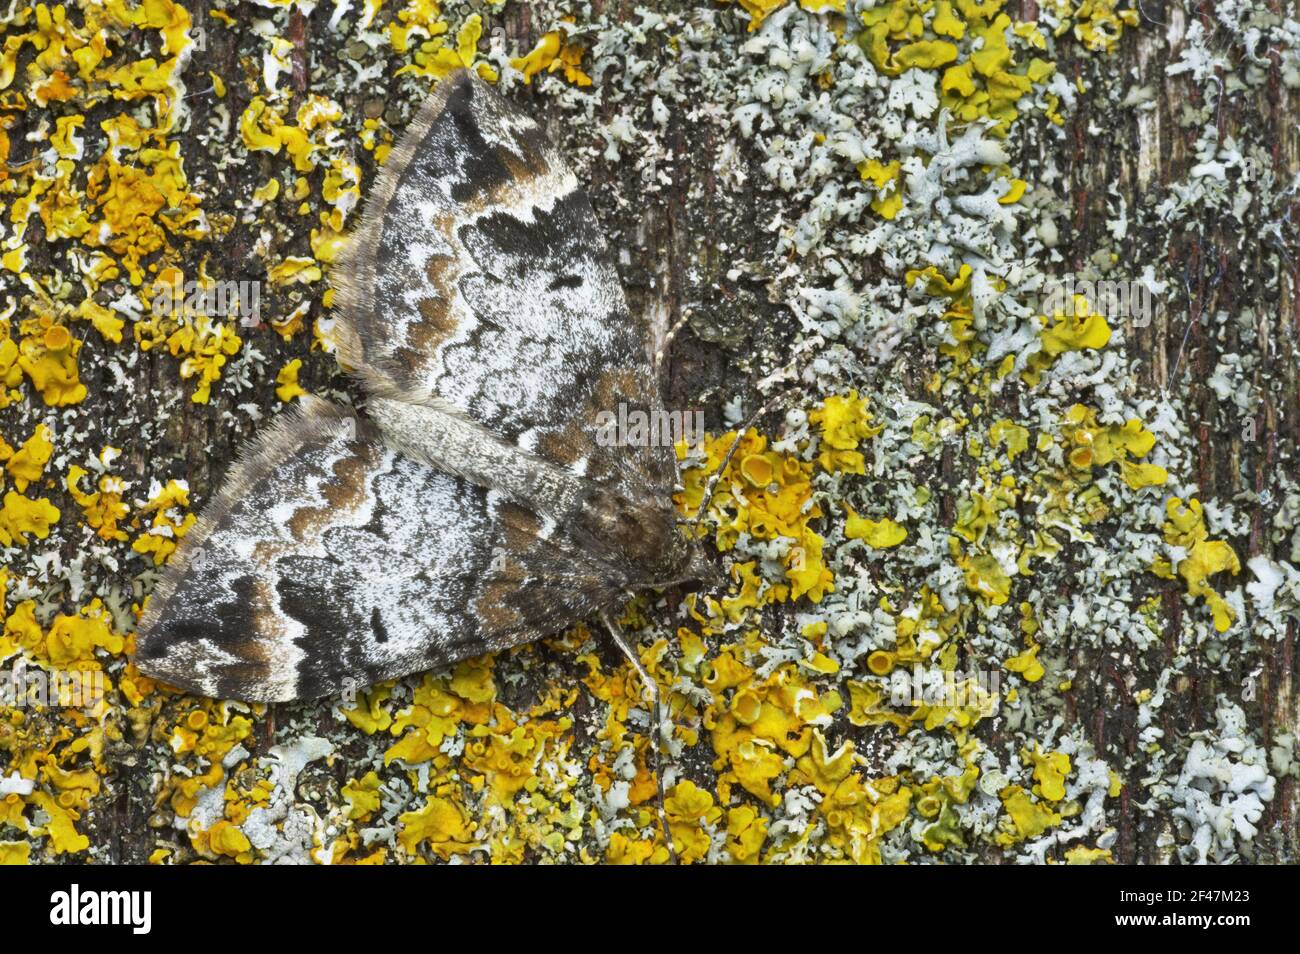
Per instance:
x=969, y=481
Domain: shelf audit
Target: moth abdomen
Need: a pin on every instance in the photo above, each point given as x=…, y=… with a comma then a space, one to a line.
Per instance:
x=442, y=437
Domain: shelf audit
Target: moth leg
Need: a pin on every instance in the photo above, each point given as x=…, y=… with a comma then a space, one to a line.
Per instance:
x=652, y=690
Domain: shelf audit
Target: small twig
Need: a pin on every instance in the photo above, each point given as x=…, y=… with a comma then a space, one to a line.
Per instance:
x=656, y=741
x=754, y=418
x=668, y=340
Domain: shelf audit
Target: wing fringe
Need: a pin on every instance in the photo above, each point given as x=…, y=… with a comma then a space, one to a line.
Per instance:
x=353, y=272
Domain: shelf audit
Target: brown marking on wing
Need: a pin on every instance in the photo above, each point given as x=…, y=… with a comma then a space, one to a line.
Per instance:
x=437, y=326
x=438, y=320
x=569, y=445
x=522, y=527
x=514, y=190
x=268, y=621
x=493, y=608
x=621, y=384
x=616, y=386
x=345, y=492
x=254, y=663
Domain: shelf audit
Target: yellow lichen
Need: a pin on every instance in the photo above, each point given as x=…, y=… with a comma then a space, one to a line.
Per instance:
x=286, y=380
x=27, y=463
x=22, y=518
x=1185, y=528
x=880, y=534
x=554, y=52
x=845, y=421
x=104, y=508
x=168, y=524
x=442, y=824
x=1074, y=330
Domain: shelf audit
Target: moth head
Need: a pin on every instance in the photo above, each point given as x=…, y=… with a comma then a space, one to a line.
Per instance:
x=684, y=560
x=702, y=568
x=645, y=533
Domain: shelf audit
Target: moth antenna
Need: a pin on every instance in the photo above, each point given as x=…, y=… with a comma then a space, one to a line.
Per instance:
x=652, y=688
x=754, y=418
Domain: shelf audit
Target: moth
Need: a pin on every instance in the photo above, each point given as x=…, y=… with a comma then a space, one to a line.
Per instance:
x=471, y=508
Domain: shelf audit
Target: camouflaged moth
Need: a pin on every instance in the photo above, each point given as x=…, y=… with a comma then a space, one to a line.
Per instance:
x=471, y=508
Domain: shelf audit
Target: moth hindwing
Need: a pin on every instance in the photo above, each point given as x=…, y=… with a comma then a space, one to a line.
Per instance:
x=472, y=508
